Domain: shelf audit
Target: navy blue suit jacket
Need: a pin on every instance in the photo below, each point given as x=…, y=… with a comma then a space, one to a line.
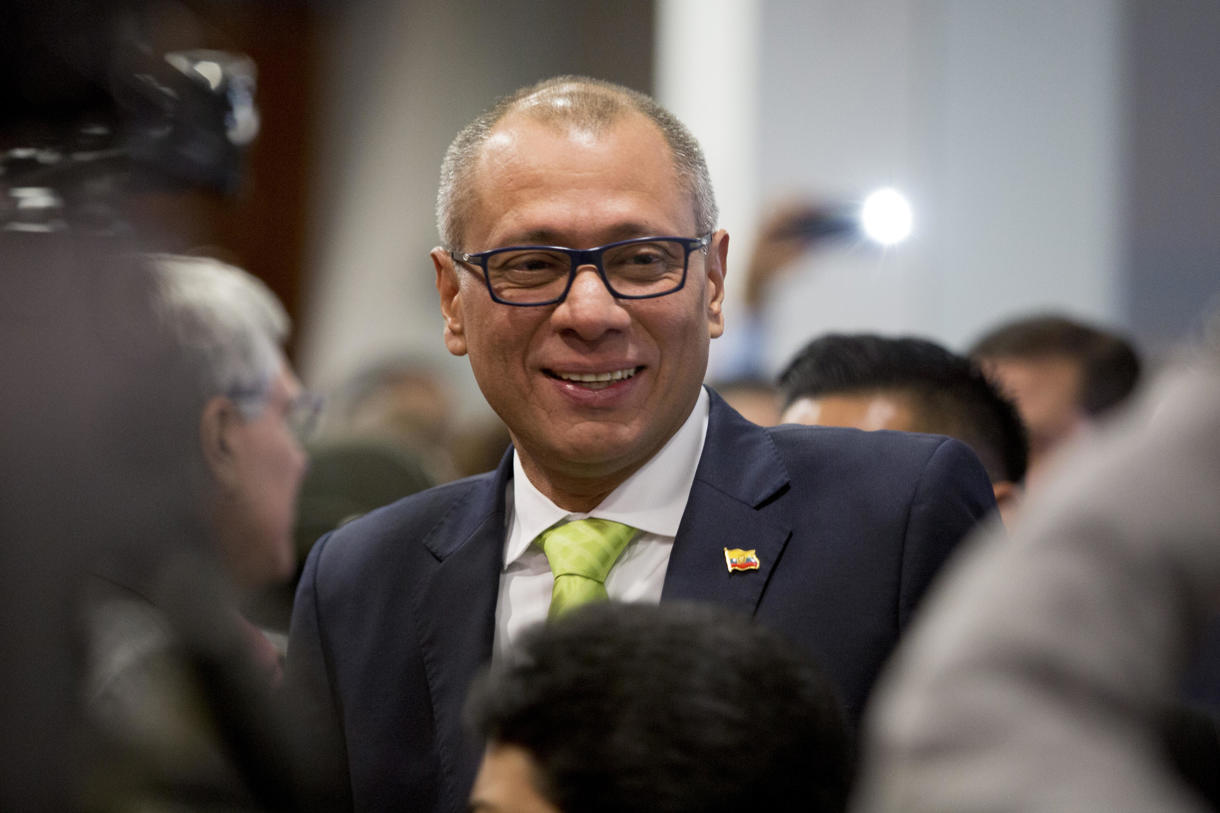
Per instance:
x=395, y=612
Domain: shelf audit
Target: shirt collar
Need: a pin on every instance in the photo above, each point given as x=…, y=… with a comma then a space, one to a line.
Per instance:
x=652, y=499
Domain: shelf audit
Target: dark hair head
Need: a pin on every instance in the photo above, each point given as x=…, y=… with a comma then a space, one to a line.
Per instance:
x=1109, y=364
x=668, y=708
x=947, y=393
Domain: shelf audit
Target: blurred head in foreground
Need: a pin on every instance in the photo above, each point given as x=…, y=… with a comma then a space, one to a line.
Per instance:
x=665, y=708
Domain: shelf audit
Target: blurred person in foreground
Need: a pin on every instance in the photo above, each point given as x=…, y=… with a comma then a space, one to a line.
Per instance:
x=82, y=367
x=1045, y=672
x=130, y=681
x=910, y=385
x=673, y=709
x=582, y=274
x=178, y=684
x=1063, y=374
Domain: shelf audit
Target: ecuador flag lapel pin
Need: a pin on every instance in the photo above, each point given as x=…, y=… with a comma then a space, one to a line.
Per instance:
x=738, y=559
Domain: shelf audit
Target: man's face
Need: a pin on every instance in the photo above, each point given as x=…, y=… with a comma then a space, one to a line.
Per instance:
x=869, y=411
x=265, y=471
x=535, y=184
x=506, y=783
x=1047, y=395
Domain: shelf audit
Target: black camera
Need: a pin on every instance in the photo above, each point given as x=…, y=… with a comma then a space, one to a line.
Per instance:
x=85, y=119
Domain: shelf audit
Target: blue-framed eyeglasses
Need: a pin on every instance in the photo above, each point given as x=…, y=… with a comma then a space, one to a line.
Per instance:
x=640, y=268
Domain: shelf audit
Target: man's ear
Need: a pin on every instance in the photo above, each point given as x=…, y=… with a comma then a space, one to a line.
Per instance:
x=217, y=438
x=449, y=287
x=717, y=256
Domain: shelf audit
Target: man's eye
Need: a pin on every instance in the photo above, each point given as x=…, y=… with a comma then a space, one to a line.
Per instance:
x=535, y=264
x=538, y=263
x=645, y=258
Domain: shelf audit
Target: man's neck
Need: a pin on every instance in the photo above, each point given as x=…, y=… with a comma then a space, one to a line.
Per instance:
x=579, y=494
x=581, y=488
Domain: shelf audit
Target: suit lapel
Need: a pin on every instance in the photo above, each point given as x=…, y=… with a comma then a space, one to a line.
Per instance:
x=456, y=606
x=739, y=472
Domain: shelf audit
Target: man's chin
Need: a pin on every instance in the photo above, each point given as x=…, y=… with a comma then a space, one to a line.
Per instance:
x=602, y=455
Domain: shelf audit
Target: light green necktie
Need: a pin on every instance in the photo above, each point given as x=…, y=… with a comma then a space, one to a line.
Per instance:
x=581, y=554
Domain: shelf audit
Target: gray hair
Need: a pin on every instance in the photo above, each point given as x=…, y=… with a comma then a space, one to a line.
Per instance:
x=578, y=101
x=229, y=326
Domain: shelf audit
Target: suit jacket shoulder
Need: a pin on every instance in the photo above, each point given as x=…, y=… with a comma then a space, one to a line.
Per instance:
x=849, y=529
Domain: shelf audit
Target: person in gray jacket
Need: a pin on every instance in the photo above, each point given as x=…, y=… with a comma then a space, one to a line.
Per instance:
x=1046, y=668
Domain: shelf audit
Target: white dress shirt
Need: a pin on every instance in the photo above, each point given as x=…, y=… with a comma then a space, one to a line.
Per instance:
x=652, y=499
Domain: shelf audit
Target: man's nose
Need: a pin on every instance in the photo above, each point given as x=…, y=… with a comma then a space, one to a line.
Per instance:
x=589, y=309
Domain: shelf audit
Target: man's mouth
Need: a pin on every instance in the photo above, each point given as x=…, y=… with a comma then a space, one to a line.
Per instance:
x=596, y=381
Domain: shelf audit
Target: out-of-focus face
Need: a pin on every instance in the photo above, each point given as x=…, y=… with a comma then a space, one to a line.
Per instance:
x=505, y=783
x=882, y=410
x=1047, y=396
x=257, y=505
x=592, y=387
x=870, y=411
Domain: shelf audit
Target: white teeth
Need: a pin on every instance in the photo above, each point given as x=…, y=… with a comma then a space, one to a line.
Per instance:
x=598, y=378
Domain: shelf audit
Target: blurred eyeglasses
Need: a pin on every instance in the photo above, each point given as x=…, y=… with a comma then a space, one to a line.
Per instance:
x=301, y=413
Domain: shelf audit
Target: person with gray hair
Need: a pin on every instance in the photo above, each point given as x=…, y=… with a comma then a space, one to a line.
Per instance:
x=573, y=101
x=582, y=275
x=253, y=414
x=177, y=684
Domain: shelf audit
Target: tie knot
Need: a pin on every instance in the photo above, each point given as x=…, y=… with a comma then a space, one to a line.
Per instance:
x=585, y=547
x=581, y=554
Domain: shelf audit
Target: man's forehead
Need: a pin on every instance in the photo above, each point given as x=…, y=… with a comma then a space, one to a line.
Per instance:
x=506, y=137
x=523, y=151
x=509, y=132
x=1041, y=371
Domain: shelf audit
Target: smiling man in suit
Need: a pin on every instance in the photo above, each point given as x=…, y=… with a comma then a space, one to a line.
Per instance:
x=582, y=274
